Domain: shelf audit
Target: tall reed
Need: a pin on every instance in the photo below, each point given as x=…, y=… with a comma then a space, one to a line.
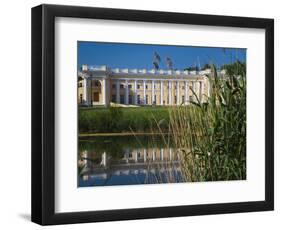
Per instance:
x=211, y=135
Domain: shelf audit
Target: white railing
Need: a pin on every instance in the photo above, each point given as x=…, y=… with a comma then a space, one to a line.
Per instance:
x=97, y=68
x=145, y=71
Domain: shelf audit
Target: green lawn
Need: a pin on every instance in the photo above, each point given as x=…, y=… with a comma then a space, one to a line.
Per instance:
x=116, y=119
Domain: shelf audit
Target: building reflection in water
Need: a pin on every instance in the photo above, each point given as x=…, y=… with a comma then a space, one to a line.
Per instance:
x=136, y=166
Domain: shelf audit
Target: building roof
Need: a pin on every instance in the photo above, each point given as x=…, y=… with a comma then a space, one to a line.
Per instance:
x=138, y=73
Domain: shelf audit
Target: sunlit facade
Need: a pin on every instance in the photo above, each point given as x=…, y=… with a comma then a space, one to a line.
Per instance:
x=100, y=85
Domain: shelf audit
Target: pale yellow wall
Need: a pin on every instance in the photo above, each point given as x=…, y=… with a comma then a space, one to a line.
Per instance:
x=80, y=91
x=113, y=91
x=92, y=90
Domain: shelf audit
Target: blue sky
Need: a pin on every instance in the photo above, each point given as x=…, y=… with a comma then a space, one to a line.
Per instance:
x=139, y=56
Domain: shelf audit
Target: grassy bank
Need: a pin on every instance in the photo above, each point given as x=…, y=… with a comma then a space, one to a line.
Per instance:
x=119, y=120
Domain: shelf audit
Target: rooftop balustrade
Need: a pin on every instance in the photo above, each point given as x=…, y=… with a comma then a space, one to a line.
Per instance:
x=145, y=71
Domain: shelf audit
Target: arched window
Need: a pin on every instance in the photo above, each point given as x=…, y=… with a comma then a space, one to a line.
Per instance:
x=96, y=83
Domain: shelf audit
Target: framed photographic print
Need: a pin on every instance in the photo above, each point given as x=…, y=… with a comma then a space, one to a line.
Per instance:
x=143, y=114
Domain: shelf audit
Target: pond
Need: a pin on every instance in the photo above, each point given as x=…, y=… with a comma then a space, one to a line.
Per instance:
x=127, y=160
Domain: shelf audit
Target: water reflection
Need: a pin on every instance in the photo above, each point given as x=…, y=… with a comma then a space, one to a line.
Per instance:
x=127, y=160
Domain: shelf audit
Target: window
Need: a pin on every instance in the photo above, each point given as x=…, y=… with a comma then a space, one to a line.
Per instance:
x=182, y=87
x=96, y=83
x=182, y=99
x=113, y=98
x=80, y=84
x=81, y=98
x=146, y=99
x=130, y=86
x=130, y=99
x=122, y=99
x=146, y=86
x=155, y=99
x=113, y=86
x=138, y=86
x=175, y=99
x=190, y=98
x=138, y=101
x=96, y=97
x=121, y=86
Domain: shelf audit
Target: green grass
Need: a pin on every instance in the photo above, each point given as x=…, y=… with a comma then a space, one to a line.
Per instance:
x=116, y=119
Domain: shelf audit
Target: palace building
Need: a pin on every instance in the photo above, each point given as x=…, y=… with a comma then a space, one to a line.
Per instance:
x=101, y=85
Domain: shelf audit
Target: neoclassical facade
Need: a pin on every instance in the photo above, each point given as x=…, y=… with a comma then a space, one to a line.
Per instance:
x=100, y=85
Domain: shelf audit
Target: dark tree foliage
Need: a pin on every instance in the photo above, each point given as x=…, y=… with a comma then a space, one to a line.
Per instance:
x=237, y=68
x=192, y=68
x=206, y=66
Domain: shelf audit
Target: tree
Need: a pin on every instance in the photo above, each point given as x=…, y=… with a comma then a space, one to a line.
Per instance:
x=169, y=63
x=156, y=60
x=155, y=65
x=192, y=68
x=236, y=68
x=206, y=66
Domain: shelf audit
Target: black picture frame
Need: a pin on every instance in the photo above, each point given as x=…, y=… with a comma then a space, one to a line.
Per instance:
x=43, y=114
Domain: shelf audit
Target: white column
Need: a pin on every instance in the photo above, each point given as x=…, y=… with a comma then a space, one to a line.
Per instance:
x=185, y=92
x=200, y=91
x=171, y=155
x=126, y=92
x=136, y=156
x=144, y=155
x=104, y=91
x=153, y=155
x=161, y=92
x=117, y=91
x=135, y=93
x=144, y=92
x=152, y=96
x=162, y=154
x=178, y=92
x=194, y=91
x=85, y=91
x=170, y=93
x=126, y=156
x=104, y=159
